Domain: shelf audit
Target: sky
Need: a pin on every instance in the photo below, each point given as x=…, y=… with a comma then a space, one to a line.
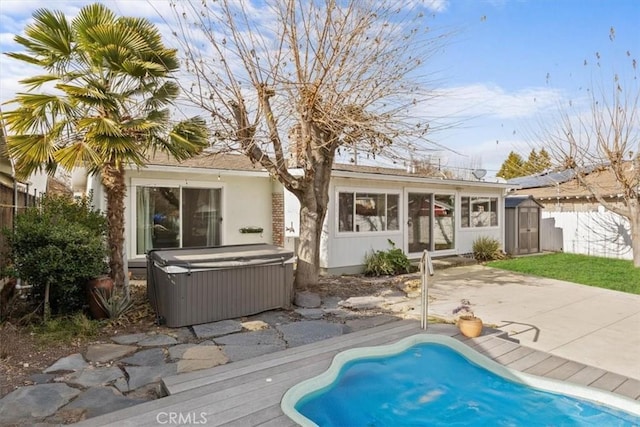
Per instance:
x=509, y=67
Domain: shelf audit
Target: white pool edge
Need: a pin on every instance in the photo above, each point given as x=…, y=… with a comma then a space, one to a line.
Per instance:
x=298, y=391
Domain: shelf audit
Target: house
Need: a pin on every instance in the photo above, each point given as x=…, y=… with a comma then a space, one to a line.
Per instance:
x=573, y=220
x=224, y=199
x=370, y=206
x=207, y=200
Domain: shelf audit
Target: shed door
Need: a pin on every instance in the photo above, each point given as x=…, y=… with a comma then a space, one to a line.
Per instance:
x=528, y=230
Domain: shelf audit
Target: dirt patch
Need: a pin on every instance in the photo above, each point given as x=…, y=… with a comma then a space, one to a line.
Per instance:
x=23, y=353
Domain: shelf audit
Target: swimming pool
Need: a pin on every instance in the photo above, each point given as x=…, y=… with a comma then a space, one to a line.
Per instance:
x=436, y=380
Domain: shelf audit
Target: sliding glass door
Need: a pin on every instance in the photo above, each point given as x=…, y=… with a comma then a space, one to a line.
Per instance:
x=172, y=217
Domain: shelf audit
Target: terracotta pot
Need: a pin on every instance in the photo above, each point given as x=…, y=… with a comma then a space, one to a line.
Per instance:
x=470, y=326
x=102, y=282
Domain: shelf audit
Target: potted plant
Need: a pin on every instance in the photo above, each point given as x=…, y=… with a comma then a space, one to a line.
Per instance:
x=469, y=325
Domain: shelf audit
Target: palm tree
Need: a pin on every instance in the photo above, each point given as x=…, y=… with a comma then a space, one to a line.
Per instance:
x=103, y=103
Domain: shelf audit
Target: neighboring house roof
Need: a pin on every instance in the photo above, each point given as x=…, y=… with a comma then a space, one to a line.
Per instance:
x=603, y=181
x=546, y=179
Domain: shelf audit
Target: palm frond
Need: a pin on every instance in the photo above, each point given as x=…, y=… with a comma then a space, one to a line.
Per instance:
x=79, y=153
x=36, y=82
x=101, y=126
x=30, y=151
x=188, y=138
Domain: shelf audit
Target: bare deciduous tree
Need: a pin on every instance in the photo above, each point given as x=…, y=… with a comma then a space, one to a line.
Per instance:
x=607, y=138
x=291, y=83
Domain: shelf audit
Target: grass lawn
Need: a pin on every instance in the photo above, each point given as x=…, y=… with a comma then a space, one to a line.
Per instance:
x=616, y=274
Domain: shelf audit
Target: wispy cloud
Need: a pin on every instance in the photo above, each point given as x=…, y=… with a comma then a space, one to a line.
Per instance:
x=491, y=100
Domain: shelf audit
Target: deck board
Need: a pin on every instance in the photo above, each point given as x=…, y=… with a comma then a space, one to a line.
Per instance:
x=248, y=393
x=546, y=366
x=630, y=388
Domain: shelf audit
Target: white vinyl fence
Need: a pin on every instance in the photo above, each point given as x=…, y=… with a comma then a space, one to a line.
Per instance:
x=591, y=233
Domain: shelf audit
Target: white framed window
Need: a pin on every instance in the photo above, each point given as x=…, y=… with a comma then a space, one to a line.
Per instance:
x=367, y=211
x=478, y=211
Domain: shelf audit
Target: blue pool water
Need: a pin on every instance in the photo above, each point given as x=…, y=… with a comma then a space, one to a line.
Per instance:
x=431, y=384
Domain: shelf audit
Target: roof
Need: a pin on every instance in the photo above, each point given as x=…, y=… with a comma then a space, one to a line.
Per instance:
x=603, y=181
x=515, y=201
x=207, y=160
x=240, y=162
x=395, y=173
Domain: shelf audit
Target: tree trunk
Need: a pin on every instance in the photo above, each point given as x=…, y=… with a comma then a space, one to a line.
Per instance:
x=313, y=208
x=634, y=223
x=115, y=189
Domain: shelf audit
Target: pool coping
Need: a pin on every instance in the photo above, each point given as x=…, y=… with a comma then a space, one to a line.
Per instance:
x=300, y=390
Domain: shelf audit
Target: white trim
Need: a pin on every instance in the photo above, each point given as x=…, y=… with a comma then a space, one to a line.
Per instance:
x=372, y=190
x=499, y=211
x=432, y=192
x=200, y=170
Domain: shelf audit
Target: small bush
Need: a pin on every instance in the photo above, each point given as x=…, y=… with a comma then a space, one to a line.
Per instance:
x=486, y=249
x=59, y=244
x=387, y=263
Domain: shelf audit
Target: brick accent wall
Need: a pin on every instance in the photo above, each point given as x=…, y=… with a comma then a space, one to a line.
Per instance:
x=277, y=218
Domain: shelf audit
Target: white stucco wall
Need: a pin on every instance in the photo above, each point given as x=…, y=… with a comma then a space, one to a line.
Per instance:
x=346, y=251
x=246, y=201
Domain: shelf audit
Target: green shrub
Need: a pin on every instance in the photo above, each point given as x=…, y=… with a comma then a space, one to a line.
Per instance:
x=486, y=249
x=387, y=263
x=59, y=245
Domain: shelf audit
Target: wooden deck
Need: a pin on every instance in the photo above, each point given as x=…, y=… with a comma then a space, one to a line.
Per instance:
x=248, y=392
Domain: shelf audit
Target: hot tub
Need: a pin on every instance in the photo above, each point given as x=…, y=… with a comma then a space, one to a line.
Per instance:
x=189, y=286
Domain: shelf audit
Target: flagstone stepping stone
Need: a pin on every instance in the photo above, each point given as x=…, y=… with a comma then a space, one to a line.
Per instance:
x=182, y=334
x=152, y=356
x=41, y=378
x=143, y=375
x=310, y=313
x=307, y=300
x=363, y=303
x=216, y=329
x=157, y=340
x=129, y=339
x=100, y=400
x=255, y=325
x=75, y=362
x=36, y=401
x=108, y=352
x=91, y=377
x=273, y=317
x=308, y=331
x=201, y=357
x=177, y=351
